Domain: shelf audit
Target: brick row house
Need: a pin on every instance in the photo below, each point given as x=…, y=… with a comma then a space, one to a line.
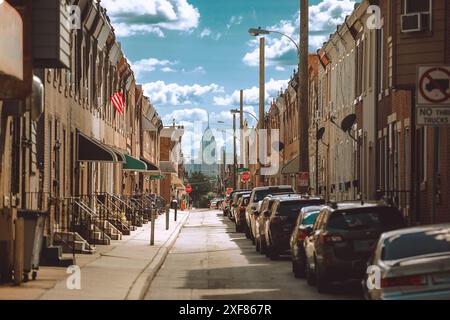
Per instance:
x=364, y=142
x=66, y=152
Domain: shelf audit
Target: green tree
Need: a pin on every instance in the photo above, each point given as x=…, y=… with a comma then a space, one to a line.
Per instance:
x=201, y=185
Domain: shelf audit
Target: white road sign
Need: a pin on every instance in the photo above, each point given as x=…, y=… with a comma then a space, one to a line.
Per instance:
x=433, y=85
x=433, y=116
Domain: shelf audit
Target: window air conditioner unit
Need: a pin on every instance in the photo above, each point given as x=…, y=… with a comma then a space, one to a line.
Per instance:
x=414, y=22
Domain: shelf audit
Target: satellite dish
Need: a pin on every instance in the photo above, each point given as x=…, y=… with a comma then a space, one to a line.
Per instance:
x=348, y=122
x=320, y=133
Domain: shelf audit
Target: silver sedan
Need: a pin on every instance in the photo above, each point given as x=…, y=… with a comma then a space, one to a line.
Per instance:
x=410, y=264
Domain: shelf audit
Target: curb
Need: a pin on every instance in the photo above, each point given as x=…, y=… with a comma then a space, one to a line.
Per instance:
x=143, y=281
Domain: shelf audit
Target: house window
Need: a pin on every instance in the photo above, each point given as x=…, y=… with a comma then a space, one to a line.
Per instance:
x=417, y=9
x=422, y=149
x=415, y=6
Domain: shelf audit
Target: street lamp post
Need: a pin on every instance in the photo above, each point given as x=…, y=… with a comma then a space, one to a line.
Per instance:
x=302, y=87
x=234, y=112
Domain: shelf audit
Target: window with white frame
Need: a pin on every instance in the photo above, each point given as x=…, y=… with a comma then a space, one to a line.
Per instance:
x=416, y=15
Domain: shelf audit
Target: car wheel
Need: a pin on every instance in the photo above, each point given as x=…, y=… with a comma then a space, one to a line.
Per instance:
x=298, y=270
x=322, y=283
x=310, y=279
x=257, y=245
x=247, y=232
x=238, y=228
x=262, y=245
x=273, y=253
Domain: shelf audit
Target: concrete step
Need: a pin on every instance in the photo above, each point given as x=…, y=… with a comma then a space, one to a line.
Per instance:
x=72, y=240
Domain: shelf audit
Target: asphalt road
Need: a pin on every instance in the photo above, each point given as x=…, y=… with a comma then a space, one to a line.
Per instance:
x=211, y=261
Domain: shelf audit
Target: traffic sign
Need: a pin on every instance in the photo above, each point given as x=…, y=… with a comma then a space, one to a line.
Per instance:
x=433, y=86
x=229, y=191
x=245, y=176
x=303, y=178
x=156, y=177
x=433, y=116
x=188, y=188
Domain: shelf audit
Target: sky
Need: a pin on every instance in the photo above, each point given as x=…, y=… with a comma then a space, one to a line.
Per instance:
x=193, y=56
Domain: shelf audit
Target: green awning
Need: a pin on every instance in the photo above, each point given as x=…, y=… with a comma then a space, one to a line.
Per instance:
x=133, y=164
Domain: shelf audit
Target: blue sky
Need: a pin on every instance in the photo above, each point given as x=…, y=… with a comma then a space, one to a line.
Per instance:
x=193, y=56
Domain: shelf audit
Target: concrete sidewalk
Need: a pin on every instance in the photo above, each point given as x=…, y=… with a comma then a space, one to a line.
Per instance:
x=120, y=271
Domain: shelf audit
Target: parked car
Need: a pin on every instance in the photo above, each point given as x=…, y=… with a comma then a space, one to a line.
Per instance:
x=280, y=225
x=256, y=197
x=343, y=238
x=228, y=199
x=240, y=212
x=412, y=263
x=303, y=225
x=234, y=203
x=214, y=203
x=261, y=219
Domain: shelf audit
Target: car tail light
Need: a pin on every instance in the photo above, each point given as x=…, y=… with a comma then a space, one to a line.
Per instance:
x=403, y=281
x=331, y=238
x=242, y=209
x=302, y=234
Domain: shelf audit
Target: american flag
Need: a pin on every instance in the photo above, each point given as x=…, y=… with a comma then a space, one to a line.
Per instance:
x=118, y=102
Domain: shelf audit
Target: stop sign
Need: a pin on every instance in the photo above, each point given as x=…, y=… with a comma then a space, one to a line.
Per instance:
x=245, y=176
x=188, y=188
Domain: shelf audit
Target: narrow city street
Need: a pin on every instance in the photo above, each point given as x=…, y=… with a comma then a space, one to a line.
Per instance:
x=211, y=261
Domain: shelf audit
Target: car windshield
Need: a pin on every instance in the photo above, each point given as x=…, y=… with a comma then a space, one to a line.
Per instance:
x=290, y=208
x=425, y=242
x=310, y=217
x=261, y=194
x=364, y=219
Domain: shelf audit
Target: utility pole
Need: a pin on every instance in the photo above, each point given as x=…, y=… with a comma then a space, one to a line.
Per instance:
x=241, y=130
x=302, y=94
x=234, y=152
x=262, y=90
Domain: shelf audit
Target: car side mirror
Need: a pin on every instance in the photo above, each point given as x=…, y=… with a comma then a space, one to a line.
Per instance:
x=309, y=231
x=266, y=213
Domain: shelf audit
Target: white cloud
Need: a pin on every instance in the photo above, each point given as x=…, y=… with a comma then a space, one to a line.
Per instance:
x=186, y=116
x=280, y=68
x=207, y=32
x=234, y=20
x=323, y=19
x=151, y=16
x=174, y=94
x=152, y=64
x=167, y=69
x=251, y=96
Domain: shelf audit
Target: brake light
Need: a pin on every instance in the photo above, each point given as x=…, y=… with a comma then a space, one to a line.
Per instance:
x=301, y=235
x=330, y=238
x=403, y=281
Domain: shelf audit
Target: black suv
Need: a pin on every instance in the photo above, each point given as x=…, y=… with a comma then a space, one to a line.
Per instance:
x=343, y=238
x=281, y=222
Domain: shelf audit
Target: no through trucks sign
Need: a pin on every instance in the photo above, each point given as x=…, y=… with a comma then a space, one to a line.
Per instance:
x=433, y=86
